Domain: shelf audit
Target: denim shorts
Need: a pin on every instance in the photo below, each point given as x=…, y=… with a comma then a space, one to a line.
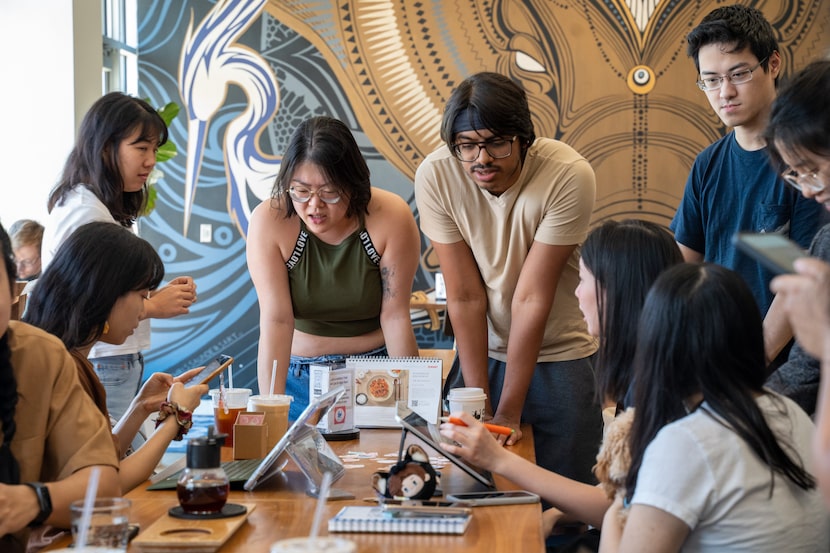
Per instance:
x=298, y=382
x=121, y=376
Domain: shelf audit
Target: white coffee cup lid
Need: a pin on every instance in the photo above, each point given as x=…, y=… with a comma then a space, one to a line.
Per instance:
x=466, y=392
x=276, y=399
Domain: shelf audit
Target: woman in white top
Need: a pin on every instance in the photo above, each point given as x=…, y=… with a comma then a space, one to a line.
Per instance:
x=718, y=463
x=104, y=179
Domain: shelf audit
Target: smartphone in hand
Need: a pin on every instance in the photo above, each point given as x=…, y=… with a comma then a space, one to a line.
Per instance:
x=776, y=252
x=211, y=370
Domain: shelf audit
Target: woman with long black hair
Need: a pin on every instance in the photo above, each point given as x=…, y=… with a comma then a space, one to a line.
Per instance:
x=52, y=434
x=718, y=462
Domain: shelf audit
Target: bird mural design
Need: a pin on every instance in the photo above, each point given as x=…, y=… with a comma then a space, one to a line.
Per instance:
x=211, y=60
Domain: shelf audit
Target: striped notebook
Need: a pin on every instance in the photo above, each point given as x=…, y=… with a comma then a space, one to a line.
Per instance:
x=376, y=519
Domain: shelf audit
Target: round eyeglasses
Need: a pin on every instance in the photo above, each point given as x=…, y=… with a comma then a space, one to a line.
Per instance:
x=715, y=82
x=303, y=195
x=497, y=148
x=799, y=180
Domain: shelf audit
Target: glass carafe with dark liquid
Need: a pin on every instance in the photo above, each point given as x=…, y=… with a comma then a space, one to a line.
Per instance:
x=203, y=486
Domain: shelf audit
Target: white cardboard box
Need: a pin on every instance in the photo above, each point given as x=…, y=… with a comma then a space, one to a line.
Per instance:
x=380, y=382
x=324, y=377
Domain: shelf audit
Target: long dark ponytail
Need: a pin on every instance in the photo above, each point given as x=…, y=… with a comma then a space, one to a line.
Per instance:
x=9, y=468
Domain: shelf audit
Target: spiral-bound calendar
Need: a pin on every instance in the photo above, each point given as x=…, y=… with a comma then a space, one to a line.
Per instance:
x=381, y=382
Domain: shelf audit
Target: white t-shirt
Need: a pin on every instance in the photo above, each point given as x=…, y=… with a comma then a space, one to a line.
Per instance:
x=701, y=472
x=80, y=207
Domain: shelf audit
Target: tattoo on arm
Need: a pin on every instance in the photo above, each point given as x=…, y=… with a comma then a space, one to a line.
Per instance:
x=386, y=274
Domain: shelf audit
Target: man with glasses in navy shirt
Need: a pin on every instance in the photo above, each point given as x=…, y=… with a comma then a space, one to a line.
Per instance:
x=732, y=185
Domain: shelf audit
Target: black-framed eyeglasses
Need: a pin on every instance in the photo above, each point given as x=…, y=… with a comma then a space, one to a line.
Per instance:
x=715, y=82
x=800, y=180
x=497, y=148
x=303, y=195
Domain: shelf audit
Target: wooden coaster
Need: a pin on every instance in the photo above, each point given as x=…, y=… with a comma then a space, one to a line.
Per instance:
x=189, y=535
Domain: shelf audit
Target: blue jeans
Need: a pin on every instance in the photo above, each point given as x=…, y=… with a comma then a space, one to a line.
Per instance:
x=121, y=377
x=298, y=382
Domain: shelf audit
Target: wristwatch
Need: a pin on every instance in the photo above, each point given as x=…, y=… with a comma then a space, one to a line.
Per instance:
x=44, y=500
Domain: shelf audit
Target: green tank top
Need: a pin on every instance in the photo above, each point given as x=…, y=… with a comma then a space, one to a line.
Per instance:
x=335, y=290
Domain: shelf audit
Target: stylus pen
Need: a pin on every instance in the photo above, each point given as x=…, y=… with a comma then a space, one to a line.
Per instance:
x=494, y=428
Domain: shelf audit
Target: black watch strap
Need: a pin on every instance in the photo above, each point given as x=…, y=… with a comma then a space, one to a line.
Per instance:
x=44, y=500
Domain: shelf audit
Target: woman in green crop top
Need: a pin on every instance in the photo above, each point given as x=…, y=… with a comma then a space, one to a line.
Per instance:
x=332, y=260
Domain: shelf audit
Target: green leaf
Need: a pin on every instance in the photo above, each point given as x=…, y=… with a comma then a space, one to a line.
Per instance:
x=167, y=151
x=152, y=193
x=169, y=112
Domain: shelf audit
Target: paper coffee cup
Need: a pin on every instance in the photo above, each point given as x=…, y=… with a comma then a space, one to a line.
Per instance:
x=469, y=400
x=314, y=545
x=275, y=408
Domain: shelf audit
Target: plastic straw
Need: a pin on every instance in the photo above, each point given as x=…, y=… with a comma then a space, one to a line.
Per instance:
x=89, y=504
x=273, y=376
x=230, y=376
x=321, y=504
x=222, y=399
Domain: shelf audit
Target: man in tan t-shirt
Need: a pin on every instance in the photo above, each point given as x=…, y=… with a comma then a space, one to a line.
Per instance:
x=505, y=212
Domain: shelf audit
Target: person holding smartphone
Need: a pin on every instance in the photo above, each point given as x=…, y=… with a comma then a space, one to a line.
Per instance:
x=46, y=418
x=120, y=269
x=799, y=137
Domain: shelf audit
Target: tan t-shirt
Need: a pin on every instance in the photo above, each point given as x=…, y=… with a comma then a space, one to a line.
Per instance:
x=551, y=202
x=59, y=428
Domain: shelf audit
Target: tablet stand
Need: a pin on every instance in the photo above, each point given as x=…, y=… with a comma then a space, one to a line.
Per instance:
x=314, y=457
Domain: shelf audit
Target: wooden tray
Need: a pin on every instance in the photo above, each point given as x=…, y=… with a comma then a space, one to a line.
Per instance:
x=189, y=535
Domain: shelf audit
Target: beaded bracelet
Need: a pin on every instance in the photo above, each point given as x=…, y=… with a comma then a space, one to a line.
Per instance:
x=183, y=416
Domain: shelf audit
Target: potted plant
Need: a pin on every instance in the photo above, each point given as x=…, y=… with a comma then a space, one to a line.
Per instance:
x=167, y=151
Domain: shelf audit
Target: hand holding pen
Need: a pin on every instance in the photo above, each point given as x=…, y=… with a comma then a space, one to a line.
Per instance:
x=494, y=428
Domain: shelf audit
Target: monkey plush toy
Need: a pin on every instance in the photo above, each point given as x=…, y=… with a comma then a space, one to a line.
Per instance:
x=412, y=478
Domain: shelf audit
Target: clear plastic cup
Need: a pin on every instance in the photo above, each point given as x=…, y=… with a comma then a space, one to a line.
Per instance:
x=236, y=401
x=108, y=526
x=275, y=408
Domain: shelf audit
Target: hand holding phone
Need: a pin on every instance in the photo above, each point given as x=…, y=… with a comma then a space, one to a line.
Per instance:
x=776, y=252
x=211, y=370
x=508, y=497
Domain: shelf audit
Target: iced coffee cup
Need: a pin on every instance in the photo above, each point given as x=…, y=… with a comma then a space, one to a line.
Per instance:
x=235, y=401
x=275, y=408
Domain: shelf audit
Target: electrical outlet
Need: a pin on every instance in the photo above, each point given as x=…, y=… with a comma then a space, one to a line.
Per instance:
x=205, y=232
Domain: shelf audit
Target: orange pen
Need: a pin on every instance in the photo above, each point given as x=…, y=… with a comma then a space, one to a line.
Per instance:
x=494, y=428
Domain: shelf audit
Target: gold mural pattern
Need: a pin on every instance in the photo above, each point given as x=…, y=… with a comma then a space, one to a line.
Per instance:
x=610, y=78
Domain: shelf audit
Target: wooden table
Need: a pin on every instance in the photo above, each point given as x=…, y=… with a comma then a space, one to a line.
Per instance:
x=284, y=510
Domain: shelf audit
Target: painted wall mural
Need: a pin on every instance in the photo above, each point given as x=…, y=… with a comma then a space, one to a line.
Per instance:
x=609, y=77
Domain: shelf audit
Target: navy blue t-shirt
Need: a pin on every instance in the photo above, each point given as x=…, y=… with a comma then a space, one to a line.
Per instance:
x=730, y=189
